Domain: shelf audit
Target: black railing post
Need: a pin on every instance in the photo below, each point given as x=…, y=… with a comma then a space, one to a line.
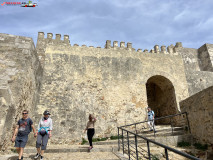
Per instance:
x=148, y=150
x=171, y=125
x=152, y=141
x=166, y=153
x=123, y=139
x=188, y=122
x=135, y=129
x=136, y=146
x=153, y=125
x=118, y=140
x=128, y=144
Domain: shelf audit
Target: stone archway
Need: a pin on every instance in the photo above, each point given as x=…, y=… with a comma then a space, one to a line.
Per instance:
x=161, y=97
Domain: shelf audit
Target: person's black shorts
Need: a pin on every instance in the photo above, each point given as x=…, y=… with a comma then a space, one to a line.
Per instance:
x=21, y=141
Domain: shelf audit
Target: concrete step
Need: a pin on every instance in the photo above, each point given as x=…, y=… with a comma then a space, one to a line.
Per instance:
x=162, y=134
x=167, y=140
x=74, y=148
x=158, y=129
x=114, y=142
x=67, y=156
x=155, y=151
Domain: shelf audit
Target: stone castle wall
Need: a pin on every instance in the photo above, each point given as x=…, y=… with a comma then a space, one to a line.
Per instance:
x=200, y=114
x=20, y=74
x=109, y=82
x=115, y=83
x=198, y=67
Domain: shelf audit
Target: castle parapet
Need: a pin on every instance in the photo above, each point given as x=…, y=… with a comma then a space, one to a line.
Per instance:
x=170, y=49
x=115, y=44
x=40, y=35
x=177, y=48
x=145, y=50
x=152, y=51
x=58, y=37
x=108, y=44
x=42, y=42
x=156, y=48
x=122, y=44
x=178, y=44
x=66, y=39
x=139, y=50
x=49, y=35
x=129, y=45
x=163, y=49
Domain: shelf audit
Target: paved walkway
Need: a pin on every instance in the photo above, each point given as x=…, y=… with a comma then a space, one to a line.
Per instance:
x=68, y=152
x=68, y=156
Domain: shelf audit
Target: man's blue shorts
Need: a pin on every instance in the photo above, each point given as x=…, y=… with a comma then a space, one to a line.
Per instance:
x=21, y=141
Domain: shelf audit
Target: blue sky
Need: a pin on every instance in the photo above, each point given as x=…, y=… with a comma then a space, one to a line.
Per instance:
x=144, y=23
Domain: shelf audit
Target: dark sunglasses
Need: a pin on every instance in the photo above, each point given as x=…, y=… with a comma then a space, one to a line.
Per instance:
x=24, y=113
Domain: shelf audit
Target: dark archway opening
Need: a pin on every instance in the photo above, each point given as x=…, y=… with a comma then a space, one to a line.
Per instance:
x=161, y=97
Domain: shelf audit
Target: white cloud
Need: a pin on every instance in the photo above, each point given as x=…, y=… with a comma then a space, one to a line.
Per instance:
x=142, y=22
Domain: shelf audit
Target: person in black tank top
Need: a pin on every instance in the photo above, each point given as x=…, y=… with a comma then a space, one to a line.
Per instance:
x=90, y=129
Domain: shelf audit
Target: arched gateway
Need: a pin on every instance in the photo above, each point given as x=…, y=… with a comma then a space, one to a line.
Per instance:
x=161, y=97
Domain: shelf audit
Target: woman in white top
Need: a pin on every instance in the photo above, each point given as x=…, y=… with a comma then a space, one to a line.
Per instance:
x=90, y=129
x=44, y=133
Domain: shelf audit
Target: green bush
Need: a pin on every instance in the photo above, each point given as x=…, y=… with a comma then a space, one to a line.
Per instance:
x=99, y=139
x=183, y=144
x=115, y=137
x=201, y=147
x=154, y=157
x=83, y=141
x=95, y=139
x=104, y=139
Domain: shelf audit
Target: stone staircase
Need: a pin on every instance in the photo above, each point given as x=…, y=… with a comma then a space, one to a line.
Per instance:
x=108, y=150
x=164, y=135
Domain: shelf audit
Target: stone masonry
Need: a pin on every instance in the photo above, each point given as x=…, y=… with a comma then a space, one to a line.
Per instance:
x=115, y=83
x=20, y=80
x=200, y=111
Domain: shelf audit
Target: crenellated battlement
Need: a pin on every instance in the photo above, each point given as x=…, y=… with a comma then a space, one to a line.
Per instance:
x=42, y=42
x=50, y=39
x=159, y=50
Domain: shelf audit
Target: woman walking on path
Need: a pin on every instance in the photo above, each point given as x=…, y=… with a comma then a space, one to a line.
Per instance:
x=90, y=129
x=44, y=133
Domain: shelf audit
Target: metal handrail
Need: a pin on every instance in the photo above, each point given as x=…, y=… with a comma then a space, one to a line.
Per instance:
x=156, y=143
x=151, y=141
x=169, y=116
x=155, y=119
